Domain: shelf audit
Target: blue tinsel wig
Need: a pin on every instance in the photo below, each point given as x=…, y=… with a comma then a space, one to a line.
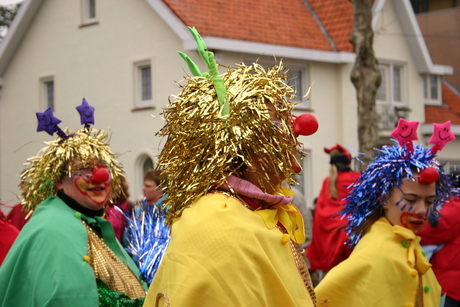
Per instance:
x=390, y=167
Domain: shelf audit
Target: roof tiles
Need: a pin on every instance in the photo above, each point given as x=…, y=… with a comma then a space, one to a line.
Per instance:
x=286, y=23
x=450, y=110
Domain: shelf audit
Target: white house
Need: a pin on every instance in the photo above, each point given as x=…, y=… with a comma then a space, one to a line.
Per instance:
x=122, y=57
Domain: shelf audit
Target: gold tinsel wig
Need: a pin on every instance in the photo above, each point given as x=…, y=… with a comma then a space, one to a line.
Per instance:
x=45, y=170
x=211, y=135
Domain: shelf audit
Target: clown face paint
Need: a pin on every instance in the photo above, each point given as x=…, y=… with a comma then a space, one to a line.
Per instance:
x=85, y=185
x=411, y=204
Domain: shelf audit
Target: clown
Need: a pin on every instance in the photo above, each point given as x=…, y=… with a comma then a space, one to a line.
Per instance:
x=231, y=141
x=390, y=203
x=67, y=254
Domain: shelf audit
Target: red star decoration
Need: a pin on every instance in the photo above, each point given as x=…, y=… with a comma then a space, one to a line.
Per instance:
x=406, y=131
x=442, y=134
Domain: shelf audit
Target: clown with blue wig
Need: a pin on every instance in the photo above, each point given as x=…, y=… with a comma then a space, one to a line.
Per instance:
x=390, y=203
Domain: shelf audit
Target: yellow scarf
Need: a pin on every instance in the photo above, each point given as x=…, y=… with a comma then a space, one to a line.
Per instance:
x=288, y=215
x=415, y=255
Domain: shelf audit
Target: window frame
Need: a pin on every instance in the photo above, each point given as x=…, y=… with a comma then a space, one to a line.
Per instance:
x=302, y=103
x=140, y=102
x=140, y=170
x=44, y=93
x=427, y=89
x=86, y=19
x=389, y=108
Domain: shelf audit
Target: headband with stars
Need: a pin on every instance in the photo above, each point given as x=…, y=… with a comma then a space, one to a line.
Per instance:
x=46, y=169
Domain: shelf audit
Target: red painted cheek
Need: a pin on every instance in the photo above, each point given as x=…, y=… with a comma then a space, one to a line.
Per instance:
x=404, y=219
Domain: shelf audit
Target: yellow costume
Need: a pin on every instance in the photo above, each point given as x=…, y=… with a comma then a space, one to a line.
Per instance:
x=386, y=269
x=222, y=254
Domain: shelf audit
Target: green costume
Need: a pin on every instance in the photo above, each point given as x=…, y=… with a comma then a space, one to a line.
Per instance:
x=49, y=264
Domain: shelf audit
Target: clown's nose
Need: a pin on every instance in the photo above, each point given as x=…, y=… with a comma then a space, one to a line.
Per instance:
x=305, y=124
x=428, y=175
x=100, y=175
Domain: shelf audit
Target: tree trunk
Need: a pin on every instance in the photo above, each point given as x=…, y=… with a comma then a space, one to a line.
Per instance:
x=366, y=78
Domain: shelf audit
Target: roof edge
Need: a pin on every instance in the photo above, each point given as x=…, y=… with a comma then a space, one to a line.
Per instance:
x=171, y=19
x=225, y=44
x=17, y=31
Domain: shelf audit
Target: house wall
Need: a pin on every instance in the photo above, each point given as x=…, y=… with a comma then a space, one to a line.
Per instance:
x=390, y=46
x=440, y=30
x=95, y=62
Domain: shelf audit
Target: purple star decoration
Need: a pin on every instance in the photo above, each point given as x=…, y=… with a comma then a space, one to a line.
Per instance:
x=86, y=113
x=47, y=122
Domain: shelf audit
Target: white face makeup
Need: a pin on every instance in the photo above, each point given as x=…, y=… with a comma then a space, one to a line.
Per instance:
x=411, y=204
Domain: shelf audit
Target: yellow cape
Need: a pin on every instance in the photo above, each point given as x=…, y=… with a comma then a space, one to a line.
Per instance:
x=382, y=271
x=222, y=254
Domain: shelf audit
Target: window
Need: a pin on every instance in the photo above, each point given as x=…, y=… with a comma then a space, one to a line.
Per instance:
x=143, y=84
x=144, y=163
x=390, y=96
x=299, y=81
x=47, y=93
x=297, y=74
x=432, y=89
x=89, y=12
x=305, y=178
x=450, y=165
x=295, y=81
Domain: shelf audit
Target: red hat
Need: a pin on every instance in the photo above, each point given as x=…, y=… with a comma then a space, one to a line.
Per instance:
x=340, y=148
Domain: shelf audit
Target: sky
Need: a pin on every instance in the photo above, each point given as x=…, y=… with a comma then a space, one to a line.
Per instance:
x=7, y=2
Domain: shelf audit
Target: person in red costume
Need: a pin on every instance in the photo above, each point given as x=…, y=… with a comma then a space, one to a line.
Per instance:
x=327, y=248
x=8, y=235
x=446, y=262
x=17, y=216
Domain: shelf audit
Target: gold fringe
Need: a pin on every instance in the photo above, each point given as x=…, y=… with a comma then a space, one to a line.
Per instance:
x=110, y=269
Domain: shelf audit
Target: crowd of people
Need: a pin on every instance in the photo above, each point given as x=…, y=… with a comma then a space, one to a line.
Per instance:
x=222, y=222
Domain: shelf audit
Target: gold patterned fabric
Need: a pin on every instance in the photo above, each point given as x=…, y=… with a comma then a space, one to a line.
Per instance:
x=303, y=270
x=110, y=269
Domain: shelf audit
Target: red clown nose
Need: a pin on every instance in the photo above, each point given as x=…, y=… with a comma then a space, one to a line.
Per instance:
x=305, y=124
x=428, y=175
x=100, y=175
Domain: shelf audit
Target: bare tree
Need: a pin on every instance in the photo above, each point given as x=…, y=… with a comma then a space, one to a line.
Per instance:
x=365, y=76
x=7, y=13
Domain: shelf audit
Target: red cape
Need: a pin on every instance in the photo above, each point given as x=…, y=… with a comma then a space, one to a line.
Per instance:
x=327, y=248
x=8, y=234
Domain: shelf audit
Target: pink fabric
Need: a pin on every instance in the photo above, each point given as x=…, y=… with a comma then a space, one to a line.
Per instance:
x=117, y=220
x=246, y=188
